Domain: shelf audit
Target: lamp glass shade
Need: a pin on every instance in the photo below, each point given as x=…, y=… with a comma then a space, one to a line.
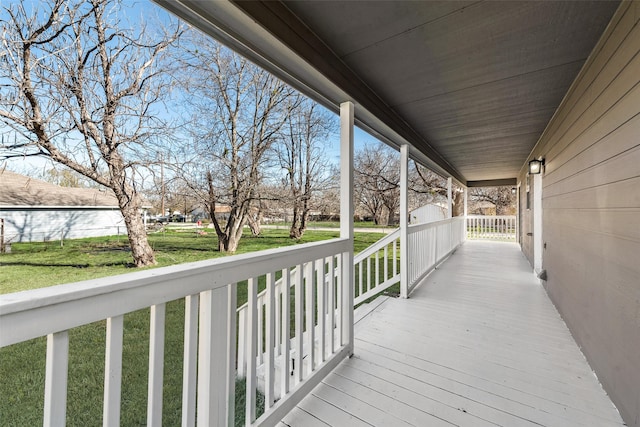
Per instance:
x=535, y=166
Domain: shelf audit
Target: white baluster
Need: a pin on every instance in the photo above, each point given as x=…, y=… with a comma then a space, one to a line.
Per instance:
x=320, y=286
x=156, y=365
x=309, y=314
x=113, y=372
x=286, y=331
x=55, y=385
x=298, y=324
x=252, y=348
x=269, y=372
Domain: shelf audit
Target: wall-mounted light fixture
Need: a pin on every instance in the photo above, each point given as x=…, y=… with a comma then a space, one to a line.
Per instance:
x=513, y=190
x=535, y=166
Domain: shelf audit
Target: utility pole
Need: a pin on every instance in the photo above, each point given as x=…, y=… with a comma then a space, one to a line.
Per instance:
x=162, y=189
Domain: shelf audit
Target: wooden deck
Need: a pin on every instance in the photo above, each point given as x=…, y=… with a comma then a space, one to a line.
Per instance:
x=477, y=344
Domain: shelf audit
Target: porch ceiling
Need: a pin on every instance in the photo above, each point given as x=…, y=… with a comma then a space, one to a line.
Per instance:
x=470, y=85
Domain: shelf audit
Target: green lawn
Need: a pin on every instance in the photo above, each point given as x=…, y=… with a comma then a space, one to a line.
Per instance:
x=33, y=265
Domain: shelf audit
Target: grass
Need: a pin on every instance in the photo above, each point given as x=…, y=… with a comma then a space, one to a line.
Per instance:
x=37, y=265
x=33, y=265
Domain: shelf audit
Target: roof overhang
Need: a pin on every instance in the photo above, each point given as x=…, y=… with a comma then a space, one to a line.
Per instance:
x=230, y=25
x=470, y=86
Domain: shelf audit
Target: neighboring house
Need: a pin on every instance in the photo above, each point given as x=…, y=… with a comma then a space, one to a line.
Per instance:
x=222, y=213
x=35, y=210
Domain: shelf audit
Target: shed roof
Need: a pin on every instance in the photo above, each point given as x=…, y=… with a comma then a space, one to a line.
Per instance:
x=21, y=190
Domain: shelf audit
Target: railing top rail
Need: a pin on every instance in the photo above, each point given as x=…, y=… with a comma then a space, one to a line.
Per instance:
x=98, y=299
x=412, y=228
x=492, y=216
x=377, y=246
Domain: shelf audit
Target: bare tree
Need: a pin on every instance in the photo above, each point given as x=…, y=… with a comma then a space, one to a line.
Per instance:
x=424, y=182
x=301, y=157
x=238, y=111
x=80, y=88
x=503, y=198
x=377, y=181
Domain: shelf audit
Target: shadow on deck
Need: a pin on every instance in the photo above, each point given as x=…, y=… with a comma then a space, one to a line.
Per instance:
x=478, y=343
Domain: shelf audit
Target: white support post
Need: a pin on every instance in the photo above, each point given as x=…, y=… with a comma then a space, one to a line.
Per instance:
x=346, y=220
x=404, y=221
x=518, y=215
x=466, y=212
x=537, y=223
x=449, y=198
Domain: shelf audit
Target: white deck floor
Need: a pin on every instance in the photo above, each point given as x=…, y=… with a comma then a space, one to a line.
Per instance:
x=477, y=344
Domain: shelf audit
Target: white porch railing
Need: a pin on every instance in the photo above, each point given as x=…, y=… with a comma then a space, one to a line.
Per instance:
x=209, y=289
x=431, y=243
x=487, y=227
x=289, y=336
x=377, y=268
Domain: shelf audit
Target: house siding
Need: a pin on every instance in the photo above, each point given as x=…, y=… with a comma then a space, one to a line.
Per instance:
x=42, y=224
x=591, y=210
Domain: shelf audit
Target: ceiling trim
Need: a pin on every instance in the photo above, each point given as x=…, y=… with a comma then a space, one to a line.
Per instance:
x=492, y=183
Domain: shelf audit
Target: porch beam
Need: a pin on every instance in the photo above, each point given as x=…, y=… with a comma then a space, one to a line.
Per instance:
x=493, y=182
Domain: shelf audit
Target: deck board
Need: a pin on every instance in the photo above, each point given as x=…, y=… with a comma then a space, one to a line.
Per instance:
x=478, y=343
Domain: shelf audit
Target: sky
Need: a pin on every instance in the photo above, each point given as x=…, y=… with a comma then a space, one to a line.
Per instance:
x=147, y=10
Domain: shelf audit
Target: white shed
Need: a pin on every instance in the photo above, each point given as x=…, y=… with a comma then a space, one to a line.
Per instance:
x=428, y=213
x=35, y=210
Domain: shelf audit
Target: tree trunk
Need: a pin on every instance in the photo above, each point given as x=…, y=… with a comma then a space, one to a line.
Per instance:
x=381, y=218
x=235, y=234
x=390, y=216
x=304, y=217
x=458, y=204
x=254, y=224
x=294, y=231
x=140, y=250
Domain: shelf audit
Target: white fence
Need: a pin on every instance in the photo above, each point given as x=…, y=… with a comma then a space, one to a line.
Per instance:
x=323, y=312
x=501, y=227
